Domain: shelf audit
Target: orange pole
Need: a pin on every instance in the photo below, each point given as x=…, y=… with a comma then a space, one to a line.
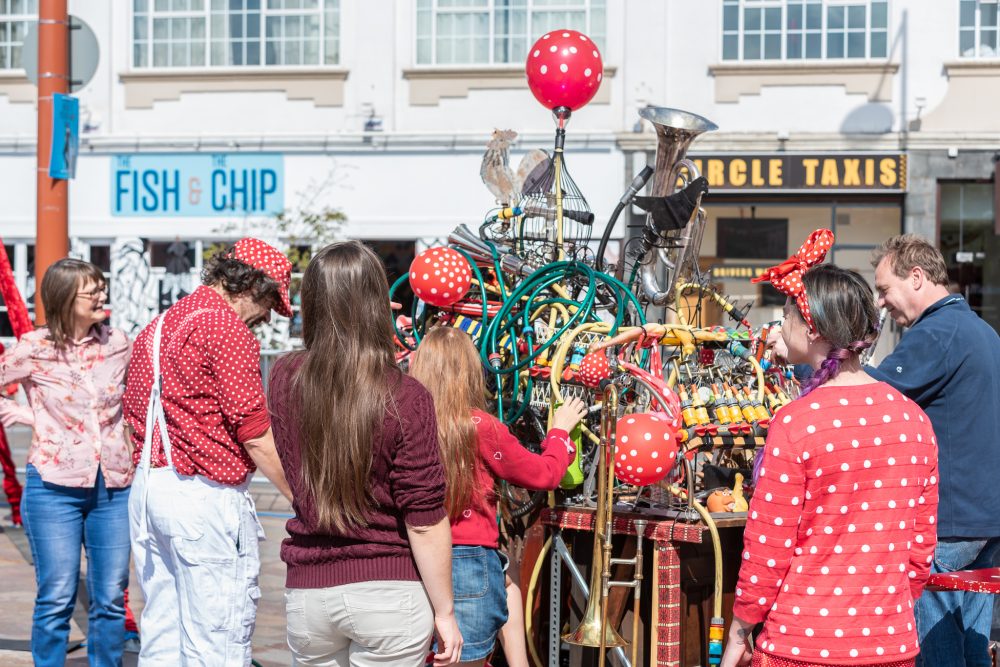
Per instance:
x=52, y=217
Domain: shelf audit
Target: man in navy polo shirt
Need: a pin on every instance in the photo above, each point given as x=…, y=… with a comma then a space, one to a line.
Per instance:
x=948, y=362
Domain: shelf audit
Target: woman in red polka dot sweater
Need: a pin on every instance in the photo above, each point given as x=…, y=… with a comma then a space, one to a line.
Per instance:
x=840, y=534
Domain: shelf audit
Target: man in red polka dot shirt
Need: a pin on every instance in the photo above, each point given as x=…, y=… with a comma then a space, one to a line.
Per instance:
x=194, y=403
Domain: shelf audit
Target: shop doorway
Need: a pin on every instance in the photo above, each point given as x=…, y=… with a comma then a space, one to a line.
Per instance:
x=970, y=245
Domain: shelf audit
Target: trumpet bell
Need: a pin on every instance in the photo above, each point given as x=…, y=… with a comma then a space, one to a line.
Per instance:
x=588, y=633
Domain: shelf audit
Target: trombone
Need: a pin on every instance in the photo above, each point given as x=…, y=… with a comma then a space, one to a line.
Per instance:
x=594, y=630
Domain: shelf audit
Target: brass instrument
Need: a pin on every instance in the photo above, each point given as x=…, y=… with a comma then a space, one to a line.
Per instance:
x=675, y=130
x=594, y=630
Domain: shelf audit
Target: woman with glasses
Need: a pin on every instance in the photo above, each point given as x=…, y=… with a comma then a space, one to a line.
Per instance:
x=79, y=465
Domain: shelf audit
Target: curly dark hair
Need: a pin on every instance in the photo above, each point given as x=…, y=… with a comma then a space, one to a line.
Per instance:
x=238, y=277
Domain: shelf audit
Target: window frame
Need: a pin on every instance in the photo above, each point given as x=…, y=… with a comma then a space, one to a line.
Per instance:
x=977, y=32
x=9, y=46
x=207, y=13
x=490, y=8
x=824, y=31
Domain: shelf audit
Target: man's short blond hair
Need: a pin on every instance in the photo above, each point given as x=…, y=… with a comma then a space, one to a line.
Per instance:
x=907, y=251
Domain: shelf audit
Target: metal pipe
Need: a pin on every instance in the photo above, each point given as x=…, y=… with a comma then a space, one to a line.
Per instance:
x=52, y=195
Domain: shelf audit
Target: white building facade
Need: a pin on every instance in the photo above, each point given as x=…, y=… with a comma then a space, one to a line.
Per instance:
x=206, y=117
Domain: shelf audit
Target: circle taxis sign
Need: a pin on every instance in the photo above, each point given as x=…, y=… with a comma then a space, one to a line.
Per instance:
x=792, y=172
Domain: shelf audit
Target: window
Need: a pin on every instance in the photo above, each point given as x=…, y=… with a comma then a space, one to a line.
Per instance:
x=804, y=29
x=235, y=33
x=15, y=17
x=497, y=32
x=754, y=238
x=970, y=245
x=977, y=33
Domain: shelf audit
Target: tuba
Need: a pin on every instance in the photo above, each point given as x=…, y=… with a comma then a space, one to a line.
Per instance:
x=676, y=248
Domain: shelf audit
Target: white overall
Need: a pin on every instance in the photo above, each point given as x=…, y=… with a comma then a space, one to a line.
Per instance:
x=194, y=542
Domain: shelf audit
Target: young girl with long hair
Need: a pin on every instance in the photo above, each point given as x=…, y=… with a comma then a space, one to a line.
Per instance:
x=477, y=449
x=369, y=552
x=841, y=531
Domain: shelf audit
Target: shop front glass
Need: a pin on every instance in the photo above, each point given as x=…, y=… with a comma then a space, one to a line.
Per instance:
x=742, y=239
x=971, y=247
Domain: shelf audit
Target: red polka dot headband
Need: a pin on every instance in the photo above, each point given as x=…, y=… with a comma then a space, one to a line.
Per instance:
x=787, y=276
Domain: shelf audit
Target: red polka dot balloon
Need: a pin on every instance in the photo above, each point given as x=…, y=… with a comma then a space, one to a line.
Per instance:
x=645, y=449
x=564, y=69
x=440, y=276
x=594, y=367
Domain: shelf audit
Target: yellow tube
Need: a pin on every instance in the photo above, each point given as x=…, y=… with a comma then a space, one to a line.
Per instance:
x=555, y=306
x=716, y=548
x=529, y=597
x=590, y=434
x=486, y=286
x=760, y=377
x=718, y=298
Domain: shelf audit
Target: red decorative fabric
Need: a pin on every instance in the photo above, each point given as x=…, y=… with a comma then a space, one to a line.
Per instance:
x=21, y=324
x=11, y=485
x=17, y=312
x=787, y=276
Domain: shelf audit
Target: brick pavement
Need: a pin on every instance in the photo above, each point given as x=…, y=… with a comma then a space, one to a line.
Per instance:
x=18, y=590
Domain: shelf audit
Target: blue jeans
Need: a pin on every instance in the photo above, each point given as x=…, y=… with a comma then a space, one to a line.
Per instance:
x=58, y=520
x=477, y=577
x=954, y=626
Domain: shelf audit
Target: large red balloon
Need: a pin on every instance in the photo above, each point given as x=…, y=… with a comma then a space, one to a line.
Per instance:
x=645, y=449
x=440, y=276
x=564, y=69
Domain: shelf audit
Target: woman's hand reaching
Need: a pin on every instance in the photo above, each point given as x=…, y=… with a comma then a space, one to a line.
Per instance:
x=569, y=414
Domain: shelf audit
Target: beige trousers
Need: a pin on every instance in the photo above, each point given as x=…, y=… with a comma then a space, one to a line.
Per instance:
x=360, y=625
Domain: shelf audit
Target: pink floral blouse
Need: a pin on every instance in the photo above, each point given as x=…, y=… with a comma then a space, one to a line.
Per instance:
x=75, y=399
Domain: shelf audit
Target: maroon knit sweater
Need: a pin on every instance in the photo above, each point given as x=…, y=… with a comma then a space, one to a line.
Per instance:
x=407, y=484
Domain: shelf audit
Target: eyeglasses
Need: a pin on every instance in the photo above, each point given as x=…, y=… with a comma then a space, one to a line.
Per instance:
x=94, y=294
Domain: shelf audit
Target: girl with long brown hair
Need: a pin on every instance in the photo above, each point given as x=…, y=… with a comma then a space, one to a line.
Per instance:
x=369, y=552
x=476, y=449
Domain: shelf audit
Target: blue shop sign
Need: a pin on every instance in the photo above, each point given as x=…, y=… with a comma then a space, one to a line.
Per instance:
x=197, y=185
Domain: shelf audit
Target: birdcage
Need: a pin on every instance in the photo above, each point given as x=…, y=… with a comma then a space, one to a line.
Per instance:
x=556, y=222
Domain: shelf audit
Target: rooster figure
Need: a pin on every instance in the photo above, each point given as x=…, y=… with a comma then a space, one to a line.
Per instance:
x=495, y=170
x=507, y=186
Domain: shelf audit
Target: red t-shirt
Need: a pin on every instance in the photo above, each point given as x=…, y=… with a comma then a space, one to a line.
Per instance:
x=213, y=396
x=504, y=457
x=841, y=530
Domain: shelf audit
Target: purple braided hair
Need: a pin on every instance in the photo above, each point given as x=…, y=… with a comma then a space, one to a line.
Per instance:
x=827, y=371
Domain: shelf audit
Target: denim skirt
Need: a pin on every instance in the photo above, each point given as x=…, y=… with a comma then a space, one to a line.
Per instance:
x=477, y=576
